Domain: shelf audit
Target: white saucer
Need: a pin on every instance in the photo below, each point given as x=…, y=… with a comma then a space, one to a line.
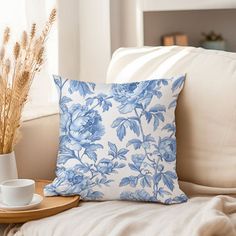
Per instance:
x=37, y=199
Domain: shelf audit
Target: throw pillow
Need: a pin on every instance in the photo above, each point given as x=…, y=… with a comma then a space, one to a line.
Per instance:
x=117, y=141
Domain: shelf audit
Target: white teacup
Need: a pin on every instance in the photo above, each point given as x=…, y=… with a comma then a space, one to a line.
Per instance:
x=17, y=192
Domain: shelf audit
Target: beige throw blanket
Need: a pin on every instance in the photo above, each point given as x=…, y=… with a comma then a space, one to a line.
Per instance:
x=200, y=216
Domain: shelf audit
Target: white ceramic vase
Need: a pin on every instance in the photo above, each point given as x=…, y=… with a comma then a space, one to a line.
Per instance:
x=8, y=169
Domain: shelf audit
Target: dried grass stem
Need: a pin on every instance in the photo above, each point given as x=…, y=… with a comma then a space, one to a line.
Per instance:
x=16, y=76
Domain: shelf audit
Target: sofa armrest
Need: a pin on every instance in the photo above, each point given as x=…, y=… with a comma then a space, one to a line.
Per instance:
x=37, y=150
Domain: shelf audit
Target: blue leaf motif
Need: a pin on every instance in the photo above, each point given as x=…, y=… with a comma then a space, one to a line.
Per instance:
x=133, y=181
x=102, y=101
x=82, y=87
x=125, y=181
x=115, y=153
x=117, y=122
x=92, y=147
x=162, y=81
x=90, y=150
x=94, y=195
x=58, y=81
x=158, y=108
x=171, y=174
x=64, y=139
x=134, y=126
x=83, y=168
x=155, y=112
x=146, y=181
x=101, y=181
x=158, y=93
x=122, y=123
x=134, y=167
x=89, y=101
x=168, y=181
x=135, y=142
x=121, y=153
x=178, y=83
x=121, y=165
x=157, y=178
x=113, y=149
x=147, y=100
x=170, y=127
x=138, y=160
x=106, y=105
x=162, y=192
x=148, y=116
x=104, y=181
x=138, y=195
x=64, y=158
x=126, y=108
x=121, y=132
x=160, y=116
x=91, y=154
x=173, y=104
x=65, y=99
x=177, y=199
x=149, y=138
x=156, y=122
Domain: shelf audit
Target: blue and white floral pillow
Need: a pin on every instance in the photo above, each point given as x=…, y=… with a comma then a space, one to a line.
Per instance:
x=117, y=141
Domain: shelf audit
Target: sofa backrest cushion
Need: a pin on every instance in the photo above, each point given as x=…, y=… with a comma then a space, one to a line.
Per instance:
x=206, y=111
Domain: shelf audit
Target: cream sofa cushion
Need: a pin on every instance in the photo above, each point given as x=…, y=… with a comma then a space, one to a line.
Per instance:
x=36, y=152
x=206, y=112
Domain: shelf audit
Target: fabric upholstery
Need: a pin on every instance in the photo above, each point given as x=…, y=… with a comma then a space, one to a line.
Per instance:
x=206, y=117
x=206, y=114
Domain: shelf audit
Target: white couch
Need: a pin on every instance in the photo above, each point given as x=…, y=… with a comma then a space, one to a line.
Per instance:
x=206, y=152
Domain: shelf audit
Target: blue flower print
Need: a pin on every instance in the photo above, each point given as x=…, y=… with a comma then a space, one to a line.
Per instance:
x=105, y=166
x=166, y=149
x=138, y=195
x=118, y=136
x=133, y=95
x=85, y=125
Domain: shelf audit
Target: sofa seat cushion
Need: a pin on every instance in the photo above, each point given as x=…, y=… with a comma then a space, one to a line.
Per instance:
x=201, y=215
x=206, y=112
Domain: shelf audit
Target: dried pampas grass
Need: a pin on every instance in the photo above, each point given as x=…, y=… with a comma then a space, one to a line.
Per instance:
x=16, y=76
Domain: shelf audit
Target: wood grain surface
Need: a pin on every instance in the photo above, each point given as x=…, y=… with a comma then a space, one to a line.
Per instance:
x=48, y=207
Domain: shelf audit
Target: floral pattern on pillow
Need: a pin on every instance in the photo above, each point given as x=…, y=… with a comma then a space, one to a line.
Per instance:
x=117, y=141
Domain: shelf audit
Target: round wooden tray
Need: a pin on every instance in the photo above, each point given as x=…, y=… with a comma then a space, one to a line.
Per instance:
x=48, y=207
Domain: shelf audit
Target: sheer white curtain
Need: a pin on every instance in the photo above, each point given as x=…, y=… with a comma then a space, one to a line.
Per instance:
x=19, y=15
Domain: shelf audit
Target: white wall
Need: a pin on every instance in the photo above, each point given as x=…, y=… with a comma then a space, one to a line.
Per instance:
x=126, y=19
x=95, y=39
x=68, y=30
x=166, y=5
x=91, y=30
x=115, y=20
x=128, y=23
x=84, y=39
x=221, y=21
